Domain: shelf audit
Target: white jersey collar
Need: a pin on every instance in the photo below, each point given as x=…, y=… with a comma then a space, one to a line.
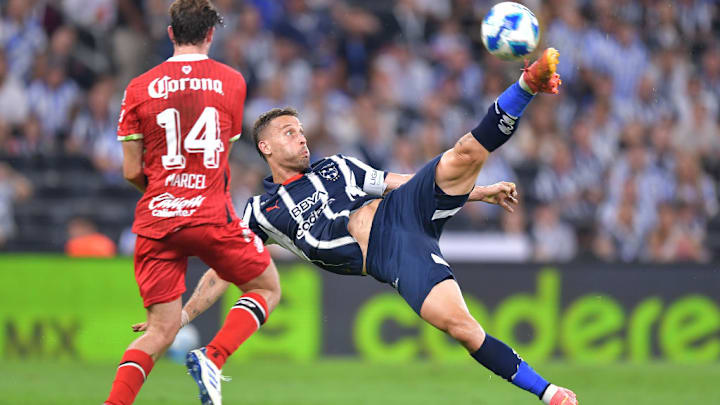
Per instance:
x=190, y=57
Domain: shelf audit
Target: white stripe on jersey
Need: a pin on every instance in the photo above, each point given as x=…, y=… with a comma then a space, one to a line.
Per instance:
x=317, y=183
x=374, y=179
x=351, y=188
x=309, y=238
x=439, y=214
x=247, y=215
x=279, y=237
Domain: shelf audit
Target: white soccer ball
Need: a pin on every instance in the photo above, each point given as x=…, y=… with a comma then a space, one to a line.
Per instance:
x=510, y=31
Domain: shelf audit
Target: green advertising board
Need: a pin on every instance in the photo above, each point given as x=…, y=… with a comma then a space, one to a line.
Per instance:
x=54, y=307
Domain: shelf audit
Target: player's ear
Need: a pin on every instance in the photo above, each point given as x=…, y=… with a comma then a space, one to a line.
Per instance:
x=265, y=148
x=210, y=34
x=171, y=34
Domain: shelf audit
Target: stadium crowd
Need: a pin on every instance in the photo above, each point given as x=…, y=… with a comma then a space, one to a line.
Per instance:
x=623, y=166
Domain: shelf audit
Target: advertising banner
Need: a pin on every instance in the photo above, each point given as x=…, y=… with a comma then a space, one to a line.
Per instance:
x=59, y=308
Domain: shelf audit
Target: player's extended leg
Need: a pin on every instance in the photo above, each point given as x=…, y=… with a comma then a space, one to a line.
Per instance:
x=459, y=167
x=238, y=257
x=260, y=297
x=163, y=322
x=445, y=309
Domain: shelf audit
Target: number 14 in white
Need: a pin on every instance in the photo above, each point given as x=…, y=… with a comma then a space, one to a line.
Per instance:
x=204, y=137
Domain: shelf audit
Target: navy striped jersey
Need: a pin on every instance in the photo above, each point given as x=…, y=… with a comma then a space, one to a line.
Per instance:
x=309, y=213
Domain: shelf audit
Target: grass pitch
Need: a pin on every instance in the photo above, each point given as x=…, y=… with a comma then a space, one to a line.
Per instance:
x=351, y=382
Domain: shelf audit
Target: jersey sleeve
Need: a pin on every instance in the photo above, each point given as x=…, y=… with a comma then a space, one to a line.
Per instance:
x=129, y=122
x=238, y=107
x=252, y=223
x=371, y=180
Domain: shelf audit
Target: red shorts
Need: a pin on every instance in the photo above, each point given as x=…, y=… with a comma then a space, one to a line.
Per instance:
x=234, y=251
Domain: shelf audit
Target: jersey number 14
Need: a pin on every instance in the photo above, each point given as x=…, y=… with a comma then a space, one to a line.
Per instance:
x=204, y=137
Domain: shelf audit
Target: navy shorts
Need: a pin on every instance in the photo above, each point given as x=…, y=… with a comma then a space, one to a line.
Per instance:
x=403, y=250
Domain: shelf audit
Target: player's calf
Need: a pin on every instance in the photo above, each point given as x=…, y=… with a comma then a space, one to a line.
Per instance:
x=506, y=363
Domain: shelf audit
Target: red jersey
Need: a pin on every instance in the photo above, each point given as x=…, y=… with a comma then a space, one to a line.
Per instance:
x=187, y=111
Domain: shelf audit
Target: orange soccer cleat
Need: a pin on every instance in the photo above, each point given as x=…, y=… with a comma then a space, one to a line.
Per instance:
x=563, y=396
x=542, y=76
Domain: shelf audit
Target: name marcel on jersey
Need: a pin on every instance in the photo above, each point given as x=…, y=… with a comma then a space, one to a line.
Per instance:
x=162, y=87
x=186, y=180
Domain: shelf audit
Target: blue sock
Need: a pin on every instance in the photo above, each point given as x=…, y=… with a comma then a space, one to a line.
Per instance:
x=502, y=118
x=514, y=100
x=503, y=361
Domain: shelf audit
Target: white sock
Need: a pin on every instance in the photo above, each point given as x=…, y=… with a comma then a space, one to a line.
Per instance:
x=549, y=393
x=525, y=86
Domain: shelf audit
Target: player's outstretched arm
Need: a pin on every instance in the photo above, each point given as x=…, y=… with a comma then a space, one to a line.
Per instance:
x=209, y=289
x=395, y=180
x=503, y=194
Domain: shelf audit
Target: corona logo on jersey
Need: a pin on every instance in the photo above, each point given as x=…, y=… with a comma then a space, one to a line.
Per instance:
x=167, y=205
x=162, y=87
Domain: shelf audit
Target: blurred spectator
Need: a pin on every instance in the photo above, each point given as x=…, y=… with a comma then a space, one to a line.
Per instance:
x=13, y=96
x=615, y=48
x=554, y=240
x=673, y=240
x=96, y=16
x=623, y=224
x=695, y=188
x=409, y=75
x=697, y=132
x=646, y=107
x=84, y=240
x=14, y=187
x=21, y=36
x=96, y=120
x=650, y=184
x=54, y=98
x=560, y=181
x=662, y=146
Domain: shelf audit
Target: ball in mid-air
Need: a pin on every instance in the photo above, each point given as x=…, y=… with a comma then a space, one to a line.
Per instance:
x=510, y=31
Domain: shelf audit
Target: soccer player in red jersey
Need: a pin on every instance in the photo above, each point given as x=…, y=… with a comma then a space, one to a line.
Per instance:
x=177, y=123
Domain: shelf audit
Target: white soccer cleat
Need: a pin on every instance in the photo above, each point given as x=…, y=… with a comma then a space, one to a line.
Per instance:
x=206, y=375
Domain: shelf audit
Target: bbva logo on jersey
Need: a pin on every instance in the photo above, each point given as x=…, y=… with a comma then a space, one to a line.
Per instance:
x=162, y=87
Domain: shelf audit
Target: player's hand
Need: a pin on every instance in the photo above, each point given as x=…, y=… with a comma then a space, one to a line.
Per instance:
x=140, y=327
x=503, y=194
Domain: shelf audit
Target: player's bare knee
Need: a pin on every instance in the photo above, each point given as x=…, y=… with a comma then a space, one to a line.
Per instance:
x=164, y=332
x=467, y=331
x=273, y=297
x=470, y=152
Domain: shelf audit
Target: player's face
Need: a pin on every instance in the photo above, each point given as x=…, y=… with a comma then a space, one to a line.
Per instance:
x=287, y=143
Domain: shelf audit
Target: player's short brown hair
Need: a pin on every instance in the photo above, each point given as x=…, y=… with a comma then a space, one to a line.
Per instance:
x=192, y=19
x=264, y=119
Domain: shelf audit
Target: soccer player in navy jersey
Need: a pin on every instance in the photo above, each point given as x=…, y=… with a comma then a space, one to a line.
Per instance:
x=349, y=218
